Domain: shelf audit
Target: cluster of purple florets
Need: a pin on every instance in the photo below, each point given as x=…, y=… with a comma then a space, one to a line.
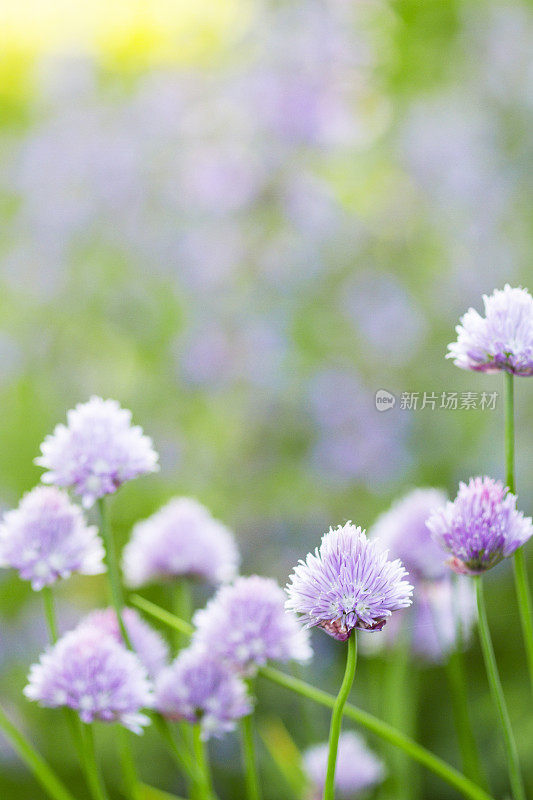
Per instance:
x=115, y=667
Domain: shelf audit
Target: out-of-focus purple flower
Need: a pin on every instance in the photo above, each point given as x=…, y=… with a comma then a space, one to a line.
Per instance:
x=245, y=625
x=47, y=538
x=480, y=527
x=502, y=339
x=97, y=451
x=402, y=530
x=431, y=623
x=198, y=687
x=347, y=583
x=89, y=671
x=181, y=539
x=358, y=768
x=149, y=645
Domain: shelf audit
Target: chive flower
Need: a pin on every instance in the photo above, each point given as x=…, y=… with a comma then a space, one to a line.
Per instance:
x=480, y=527
x=403, y=530
x=245, y=625
x=97, y=451
x=89, y=671
x=502, y=339
x=199, y=688
x=347, y=583
x=148, y=643
x=181, y=539
x=358, y=769
x=46, y=538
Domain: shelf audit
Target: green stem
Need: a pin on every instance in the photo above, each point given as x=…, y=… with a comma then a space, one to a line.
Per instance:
x=497, y=695
x=205, y=790
x=336, y=717
x=182, y=607
x=113, y=572
x=253, y=790
x=49, y=613
x=180, y=754
x=399, y=711
x=376, y=726
x=455, y=669
x=44, y=774
x=525, y=605
x=92, y=772
x=127, y=763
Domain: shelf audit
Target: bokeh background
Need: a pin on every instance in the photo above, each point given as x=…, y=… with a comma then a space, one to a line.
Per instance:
x=242, y=219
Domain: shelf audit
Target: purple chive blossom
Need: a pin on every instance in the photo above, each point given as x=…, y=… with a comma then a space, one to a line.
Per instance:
x=245, y=625
x=181, y=539
x=198, y=687
x=97, y=451
x=149, y=645
x=480, y=527
x=347, y=583
x=358, y=769
x=46, y=538
x=87, y=670
x=403, y=531
x=502, y=339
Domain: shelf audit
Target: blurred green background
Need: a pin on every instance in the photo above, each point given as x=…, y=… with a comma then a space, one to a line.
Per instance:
x=241, y=220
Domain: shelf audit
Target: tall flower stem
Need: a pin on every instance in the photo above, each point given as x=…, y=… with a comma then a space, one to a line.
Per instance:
x=336, y=717
x=181, y=606
x=253, y=789
x=44, y=774
x=493, y=676
x=455, y=669
x=94, y=778
x=205, y=790
x=400, y=708
x=525, y=606
x=49, y=613
x=113, y=572
x=376, y=726
x=129, y=771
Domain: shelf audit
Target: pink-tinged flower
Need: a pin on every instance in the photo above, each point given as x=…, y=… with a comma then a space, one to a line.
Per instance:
x=403, y=531
x=198, y=687
x=245, y=625
x=181, y=539
x=97, y=451
x=46, y=538
x=502, y=339
x=358, y=768
x=480, y=527
x=347, y=583
x=89, y=671
x=149, y=645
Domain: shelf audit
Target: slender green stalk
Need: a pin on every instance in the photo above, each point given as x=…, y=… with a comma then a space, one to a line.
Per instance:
x=455, y=669
x=376, y=726
x=336, y=717
x=493, y=676
x=49, y=613
x=182, y=607
x=399, y=711
x=178, y=751
x=44, y=774
x=205, y=789
x=129, y=771
x=525, y=605
x=253, y=789
x=94, y=779
x=113, y=571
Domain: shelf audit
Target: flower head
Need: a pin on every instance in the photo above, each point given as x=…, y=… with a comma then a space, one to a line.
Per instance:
x=245, y=625
x=87, y=670
x=357, y=771
x=149, y=645
x=198, y=687
x=180, y=539
x=502, y=339
x=347, y=583
x=97, y=451
x=47, y=538
x=403, y=530
x=480, y=527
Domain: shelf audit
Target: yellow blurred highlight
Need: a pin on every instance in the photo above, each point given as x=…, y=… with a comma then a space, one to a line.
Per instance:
x=285, y=753
x=124, y=34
